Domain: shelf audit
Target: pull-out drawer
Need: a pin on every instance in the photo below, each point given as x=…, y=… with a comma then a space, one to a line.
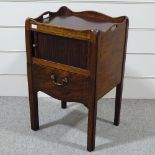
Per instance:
x=60, y=84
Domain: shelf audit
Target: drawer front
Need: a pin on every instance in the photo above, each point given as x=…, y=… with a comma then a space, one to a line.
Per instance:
x=60, y=84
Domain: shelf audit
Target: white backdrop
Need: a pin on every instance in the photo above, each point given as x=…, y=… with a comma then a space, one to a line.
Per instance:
x=140, y=65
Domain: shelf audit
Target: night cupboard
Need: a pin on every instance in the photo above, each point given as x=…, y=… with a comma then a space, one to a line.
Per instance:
x=76, y=56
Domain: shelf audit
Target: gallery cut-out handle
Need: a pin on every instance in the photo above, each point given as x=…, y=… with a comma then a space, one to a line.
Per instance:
x=113, y=28
x=46, y=15
x=33, y=26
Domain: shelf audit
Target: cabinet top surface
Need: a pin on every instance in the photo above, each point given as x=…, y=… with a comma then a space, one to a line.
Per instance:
x=85, y=20
x=79, y=23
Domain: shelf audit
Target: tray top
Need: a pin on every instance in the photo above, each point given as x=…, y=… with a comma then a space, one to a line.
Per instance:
x=86, y=20
x=78, y=23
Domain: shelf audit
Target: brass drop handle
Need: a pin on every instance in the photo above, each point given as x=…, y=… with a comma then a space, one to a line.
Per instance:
x=63, y=83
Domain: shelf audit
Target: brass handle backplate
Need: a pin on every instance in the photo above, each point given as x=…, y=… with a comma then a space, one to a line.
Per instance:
x=62, y=83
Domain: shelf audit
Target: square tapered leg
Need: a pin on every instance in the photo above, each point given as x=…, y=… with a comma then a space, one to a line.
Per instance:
x=92, y=112
x=34, y=116
x=118, y=101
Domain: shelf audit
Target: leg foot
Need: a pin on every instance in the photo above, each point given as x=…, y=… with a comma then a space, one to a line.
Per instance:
x=63, y=104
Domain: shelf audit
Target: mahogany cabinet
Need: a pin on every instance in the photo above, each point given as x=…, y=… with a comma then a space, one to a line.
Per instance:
x=76, y=56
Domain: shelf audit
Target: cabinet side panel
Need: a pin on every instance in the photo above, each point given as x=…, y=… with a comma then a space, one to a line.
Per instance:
x=110, y=59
